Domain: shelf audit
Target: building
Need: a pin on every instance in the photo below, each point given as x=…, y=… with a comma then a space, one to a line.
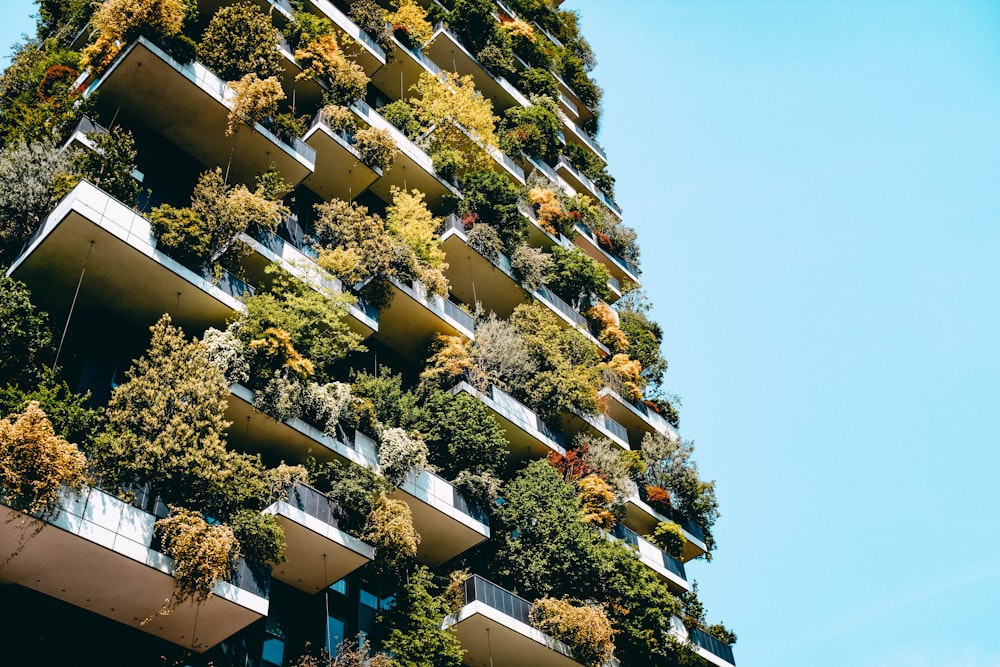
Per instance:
x=105, y=270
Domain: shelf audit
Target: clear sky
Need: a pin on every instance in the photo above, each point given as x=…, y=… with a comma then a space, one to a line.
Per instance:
x=815, y=184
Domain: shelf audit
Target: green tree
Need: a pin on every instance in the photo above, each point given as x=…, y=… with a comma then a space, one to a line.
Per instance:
x=25, y=337
x=492, y=199
x=27, y=192
x=414, y=637
x=535, y=129
x=462, y=435
x=111, y=164
x=166, y=428
x=574, y=276
x=240, y=39
x=457, y=116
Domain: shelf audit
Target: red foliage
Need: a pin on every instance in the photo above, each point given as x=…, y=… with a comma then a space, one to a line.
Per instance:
x=572, y=466
x=603, y=239
x=469, y=219
x=652, y=406
x=658, y=497
x=402, y=28
x=53, y=76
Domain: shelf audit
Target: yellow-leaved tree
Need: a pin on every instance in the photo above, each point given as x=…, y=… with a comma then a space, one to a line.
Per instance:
x=115, y=21
x=457, y=117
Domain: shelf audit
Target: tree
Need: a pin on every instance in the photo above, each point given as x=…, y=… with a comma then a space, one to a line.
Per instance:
x=411, y=18
x=166, y=428
x=35, y=463
x=256, y=100
x=414, y=636
x=204, y=233
x=322, y=58
x=492, y=199
x=457, y=116
x=462, y=435
x=25, y=337
x=240, y=39
x=27, y=195
x=111, y=165
x=409, y=219
x=535, y=129
x=117, y=22
x=575, y=276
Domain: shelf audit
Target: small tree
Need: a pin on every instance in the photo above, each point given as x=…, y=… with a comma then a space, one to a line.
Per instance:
x=376, y=146
x=585, y=628
x=35, y=463
x=239, y=40
x=576, y=277
x=415, y=637
x=390, y=530
x=27, y=195
x=457, y=116
x=111, y=165
x=25, y=337
x=256, y=100
x=117, y=22
x=411, y=18
x=399, y=454
x=203, y=553
x=492, y=199
x=409, y=218
x=322, y=58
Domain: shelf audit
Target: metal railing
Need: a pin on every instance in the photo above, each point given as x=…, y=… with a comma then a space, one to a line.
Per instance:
x=713, y=645
x=616, y=258
x=315, y=504
x=477, y=589
x=549, y=297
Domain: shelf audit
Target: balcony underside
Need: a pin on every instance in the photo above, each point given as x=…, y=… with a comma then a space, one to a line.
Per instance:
x=401, y=71
x=292, y=442
x=643, y=519
x=340, y=173
x=124, y=273
x=632, y=419
x=493, y=639
x=408, y=324
x=316, y=553
x=444, y=50
x=146, y=90
x=443, y=536
x=80, y=570
x=474, y=278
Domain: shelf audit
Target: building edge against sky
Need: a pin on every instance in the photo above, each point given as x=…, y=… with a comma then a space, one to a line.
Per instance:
x=513, y=196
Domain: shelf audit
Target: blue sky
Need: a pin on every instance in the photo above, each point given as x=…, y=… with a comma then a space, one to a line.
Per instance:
x=815, y=185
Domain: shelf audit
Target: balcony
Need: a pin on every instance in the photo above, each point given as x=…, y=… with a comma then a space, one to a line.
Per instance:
x=495, y=630
x=408, y=324
x=711, y=649
x=189, y=105
x=402, y=70
x=412, y=168
x=270, y=248
x=448, y=525
x=94, y=236
x=341, y=172
x=580, y=183
x=528, y=436
x=474, y=277
x=643, y=519
x=95, y=554
x=635, y=417
x=598, y=425
x=293, y=440
x=370, y=55
x=621, y=269
x=317, y=553
x=569, y=317
x=445, y=49
x=578, y=136
x=665, y=566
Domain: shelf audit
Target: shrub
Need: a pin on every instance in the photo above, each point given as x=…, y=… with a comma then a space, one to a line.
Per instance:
x=390, y=530
x=399, y=453
x=596, y=495
x=256, y=99
x=260, y=536
x=400, y=114
x=501, y=356
x=409, y=219
x=575, y=277
x=376, y=146
x=35, y=463
x=492, y=200
x=415, y=637
x=458, y=115
x=585, y=628
x=323, y=59
x=25, y=337
x=111, y=165
x=203, y=554
x=339, y=118
x=532, y=265
x=606, y=323
x=411, y=18
x=117, y=22
x=449, y=361
x=370, y=17
x=485, y=240
x=239, y=40
x=669, y=537
x=27, y=195
x=536, y=81
x=624, y=376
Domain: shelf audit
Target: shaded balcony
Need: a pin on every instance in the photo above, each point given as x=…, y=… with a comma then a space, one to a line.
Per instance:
x=528, y=436
x=189, y=105
x=317, y=552
x=643, y=519
x=621, y=269
x=495, y=630
x=474, y=277
x=581, y=184
x=637, y=418
x=95, y=242
x=663, y=564
x=95, y=554
x=599, y=425
x=270, y=248
x=341, y=172
x=414, y=316
x=711, y=650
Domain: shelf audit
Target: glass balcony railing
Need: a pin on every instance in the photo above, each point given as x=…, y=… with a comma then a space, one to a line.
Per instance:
x=438, y=303
x=706, y=641
x=477, y=589
x=549, y=297
x=633, y=539
x=499, y=260
x=617, y=259
x=520, y=414
x=314, y=503
x=590, y=185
